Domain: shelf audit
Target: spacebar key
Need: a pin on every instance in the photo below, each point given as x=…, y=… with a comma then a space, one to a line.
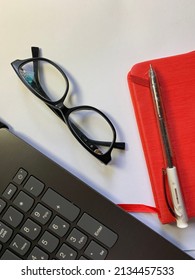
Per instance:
x=60, y=205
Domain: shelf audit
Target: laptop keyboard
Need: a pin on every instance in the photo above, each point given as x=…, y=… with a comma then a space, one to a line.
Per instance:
x=38, y=223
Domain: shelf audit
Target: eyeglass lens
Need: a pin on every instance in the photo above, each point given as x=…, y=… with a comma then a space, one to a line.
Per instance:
x=92, y=129
x=47, y=81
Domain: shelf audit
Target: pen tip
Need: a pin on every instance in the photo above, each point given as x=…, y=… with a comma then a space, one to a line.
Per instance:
x=151, y=71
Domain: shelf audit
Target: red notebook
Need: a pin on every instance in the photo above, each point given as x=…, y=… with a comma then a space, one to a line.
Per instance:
x=176, y=75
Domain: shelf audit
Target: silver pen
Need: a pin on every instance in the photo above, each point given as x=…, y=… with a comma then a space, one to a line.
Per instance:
x=171, y=171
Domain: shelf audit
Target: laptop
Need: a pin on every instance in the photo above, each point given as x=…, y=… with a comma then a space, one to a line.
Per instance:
x=48, y=213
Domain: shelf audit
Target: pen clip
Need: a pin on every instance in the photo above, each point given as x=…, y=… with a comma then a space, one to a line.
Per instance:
x=165, y=192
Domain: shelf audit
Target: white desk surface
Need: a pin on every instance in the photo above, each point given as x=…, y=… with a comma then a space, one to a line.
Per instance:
x=97, y=42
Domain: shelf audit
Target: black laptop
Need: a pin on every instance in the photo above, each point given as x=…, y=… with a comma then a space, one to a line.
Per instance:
x=47, y=213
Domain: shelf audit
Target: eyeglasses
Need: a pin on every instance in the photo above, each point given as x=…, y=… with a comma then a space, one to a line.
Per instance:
x=90, y=126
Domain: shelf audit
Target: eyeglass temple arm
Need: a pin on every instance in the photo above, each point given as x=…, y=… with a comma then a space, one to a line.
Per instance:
x=35, y=54
x=89, y=142
x=117, y=145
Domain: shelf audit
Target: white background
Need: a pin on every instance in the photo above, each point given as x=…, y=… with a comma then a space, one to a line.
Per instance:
x=96, y=42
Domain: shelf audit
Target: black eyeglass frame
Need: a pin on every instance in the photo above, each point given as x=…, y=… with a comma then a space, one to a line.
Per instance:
x=63, y=112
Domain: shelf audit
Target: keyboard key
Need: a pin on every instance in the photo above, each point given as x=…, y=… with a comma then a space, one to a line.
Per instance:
x=95, y=252
x=2, y=205
x=20, y=245
x=23, y=201
x=97, y=230
x=66, y=253
x=8, y=255
x=10, y=191
x=20, y=176
x=34, y=186
x=13, y=217
x=38, y=254
x=61, y=205
x=48, y=242
x=5, y=233
x=31, y=229
x=41, y=214
x=59, y=226
x=82, y=258
x=77, y=239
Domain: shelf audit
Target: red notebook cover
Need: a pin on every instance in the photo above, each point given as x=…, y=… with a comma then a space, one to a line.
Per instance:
x=176, y=75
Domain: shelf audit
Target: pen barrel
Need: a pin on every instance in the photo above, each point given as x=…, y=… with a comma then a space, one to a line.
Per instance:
x=155, y=89
x=177, y=198
x=166, y=142
x=160, y=116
